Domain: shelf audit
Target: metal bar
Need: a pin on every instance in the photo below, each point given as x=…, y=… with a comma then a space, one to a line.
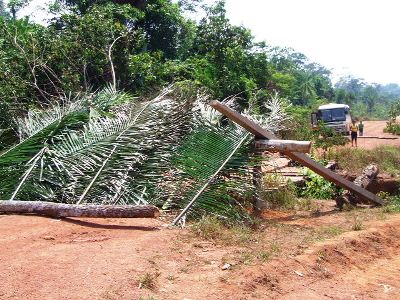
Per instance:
x=306, y=161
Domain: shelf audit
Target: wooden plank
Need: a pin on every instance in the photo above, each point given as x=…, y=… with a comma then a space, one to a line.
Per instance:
x=283, y=145
x=306, y=161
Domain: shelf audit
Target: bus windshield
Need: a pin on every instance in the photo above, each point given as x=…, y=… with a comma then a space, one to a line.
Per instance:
x=332, y=115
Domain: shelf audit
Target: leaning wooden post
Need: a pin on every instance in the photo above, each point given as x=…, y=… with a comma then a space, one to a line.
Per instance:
x=302, y=158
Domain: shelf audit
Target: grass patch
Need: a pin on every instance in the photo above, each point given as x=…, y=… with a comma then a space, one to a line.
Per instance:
x=393, y=204
x=355, y=160
x=212, y=229
x=327, y=232
x=147, y=280
x=277, y=192
x=357, y=224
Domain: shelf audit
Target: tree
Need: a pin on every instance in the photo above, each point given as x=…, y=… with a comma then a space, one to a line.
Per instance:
x=83, y=6
x=370, y=96
x=165, y=29
x=16, y=5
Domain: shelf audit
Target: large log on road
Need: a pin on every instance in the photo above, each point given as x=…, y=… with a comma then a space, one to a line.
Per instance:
x=60, y=210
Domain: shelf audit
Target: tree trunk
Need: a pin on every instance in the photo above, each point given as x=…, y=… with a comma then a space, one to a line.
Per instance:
x=364, y=180
x=60, y=210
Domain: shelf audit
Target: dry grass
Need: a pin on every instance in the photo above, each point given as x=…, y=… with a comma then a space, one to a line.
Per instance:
x=212, y=229
x=355, y=160
x=148, y=280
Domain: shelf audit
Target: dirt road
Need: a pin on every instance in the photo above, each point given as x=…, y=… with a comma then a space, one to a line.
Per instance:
x=42, y=258
x=374, y=129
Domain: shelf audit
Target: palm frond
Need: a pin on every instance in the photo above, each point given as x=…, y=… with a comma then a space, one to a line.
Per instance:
x=165, y=151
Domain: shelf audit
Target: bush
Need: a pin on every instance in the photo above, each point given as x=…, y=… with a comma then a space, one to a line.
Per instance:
x=317, y=187
x=393, y=128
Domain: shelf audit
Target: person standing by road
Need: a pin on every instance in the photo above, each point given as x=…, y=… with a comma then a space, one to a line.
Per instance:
x=361, y=128
x=354, y=132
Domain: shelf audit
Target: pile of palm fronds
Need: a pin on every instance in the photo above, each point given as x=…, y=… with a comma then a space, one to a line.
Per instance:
x=110, y=148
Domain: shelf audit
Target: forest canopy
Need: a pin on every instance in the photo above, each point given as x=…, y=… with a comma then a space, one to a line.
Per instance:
x=142, y=46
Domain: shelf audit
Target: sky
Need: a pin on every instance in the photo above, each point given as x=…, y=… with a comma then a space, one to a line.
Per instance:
x=349, y=37
x=357, y=37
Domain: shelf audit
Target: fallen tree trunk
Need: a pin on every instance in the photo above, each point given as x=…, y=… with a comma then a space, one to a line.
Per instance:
x=60, y=210
x=363, y=181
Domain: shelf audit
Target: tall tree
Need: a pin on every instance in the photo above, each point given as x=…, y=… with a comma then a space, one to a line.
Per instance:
x=370, y=97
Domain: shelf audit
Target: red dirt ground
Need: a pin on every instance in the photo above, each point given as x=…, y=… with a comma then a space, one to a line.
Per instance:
x=43, y=258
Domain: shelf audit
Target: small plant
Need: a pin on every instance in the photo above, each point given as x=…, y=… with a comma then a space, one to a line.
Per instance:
x=357, y=224
x=148, y=280
x=325, y=138
x=264, y=256
x=208, y=228
x=321, y=255
x=171, y=277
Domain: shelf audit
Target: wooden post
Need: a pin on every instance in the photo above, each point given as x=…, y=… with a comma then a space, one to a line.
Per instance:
x=283, y=145
x=262, y=133
x=60, y=210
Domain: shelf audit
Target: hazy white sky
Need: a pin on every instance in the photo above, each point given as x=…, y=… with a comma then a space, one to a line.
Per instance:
x=358, y=37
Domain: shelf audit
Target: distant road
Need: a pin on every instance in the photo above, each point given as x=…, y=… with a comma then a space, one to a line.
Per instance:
x=374, y=129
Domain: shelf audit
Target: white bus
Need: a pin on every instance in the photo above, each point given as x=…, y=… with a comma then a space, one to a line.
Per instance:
x=336, y=116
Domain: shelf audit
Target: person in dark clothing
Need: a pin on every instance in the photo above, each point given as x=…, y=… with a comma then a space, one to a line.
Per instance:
x=361, y=128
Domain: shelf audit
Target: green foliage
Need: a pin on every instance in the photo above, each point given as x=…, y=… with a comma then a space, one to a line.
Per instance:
x=392, y=203
x=393, y=125
x=325, y=138
x=16, y=5
x=317, y=187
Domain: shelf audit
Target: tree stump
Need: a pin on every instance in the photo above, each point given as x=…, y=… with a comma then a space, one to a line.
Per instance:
x=61, y=210
x=363, y=181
